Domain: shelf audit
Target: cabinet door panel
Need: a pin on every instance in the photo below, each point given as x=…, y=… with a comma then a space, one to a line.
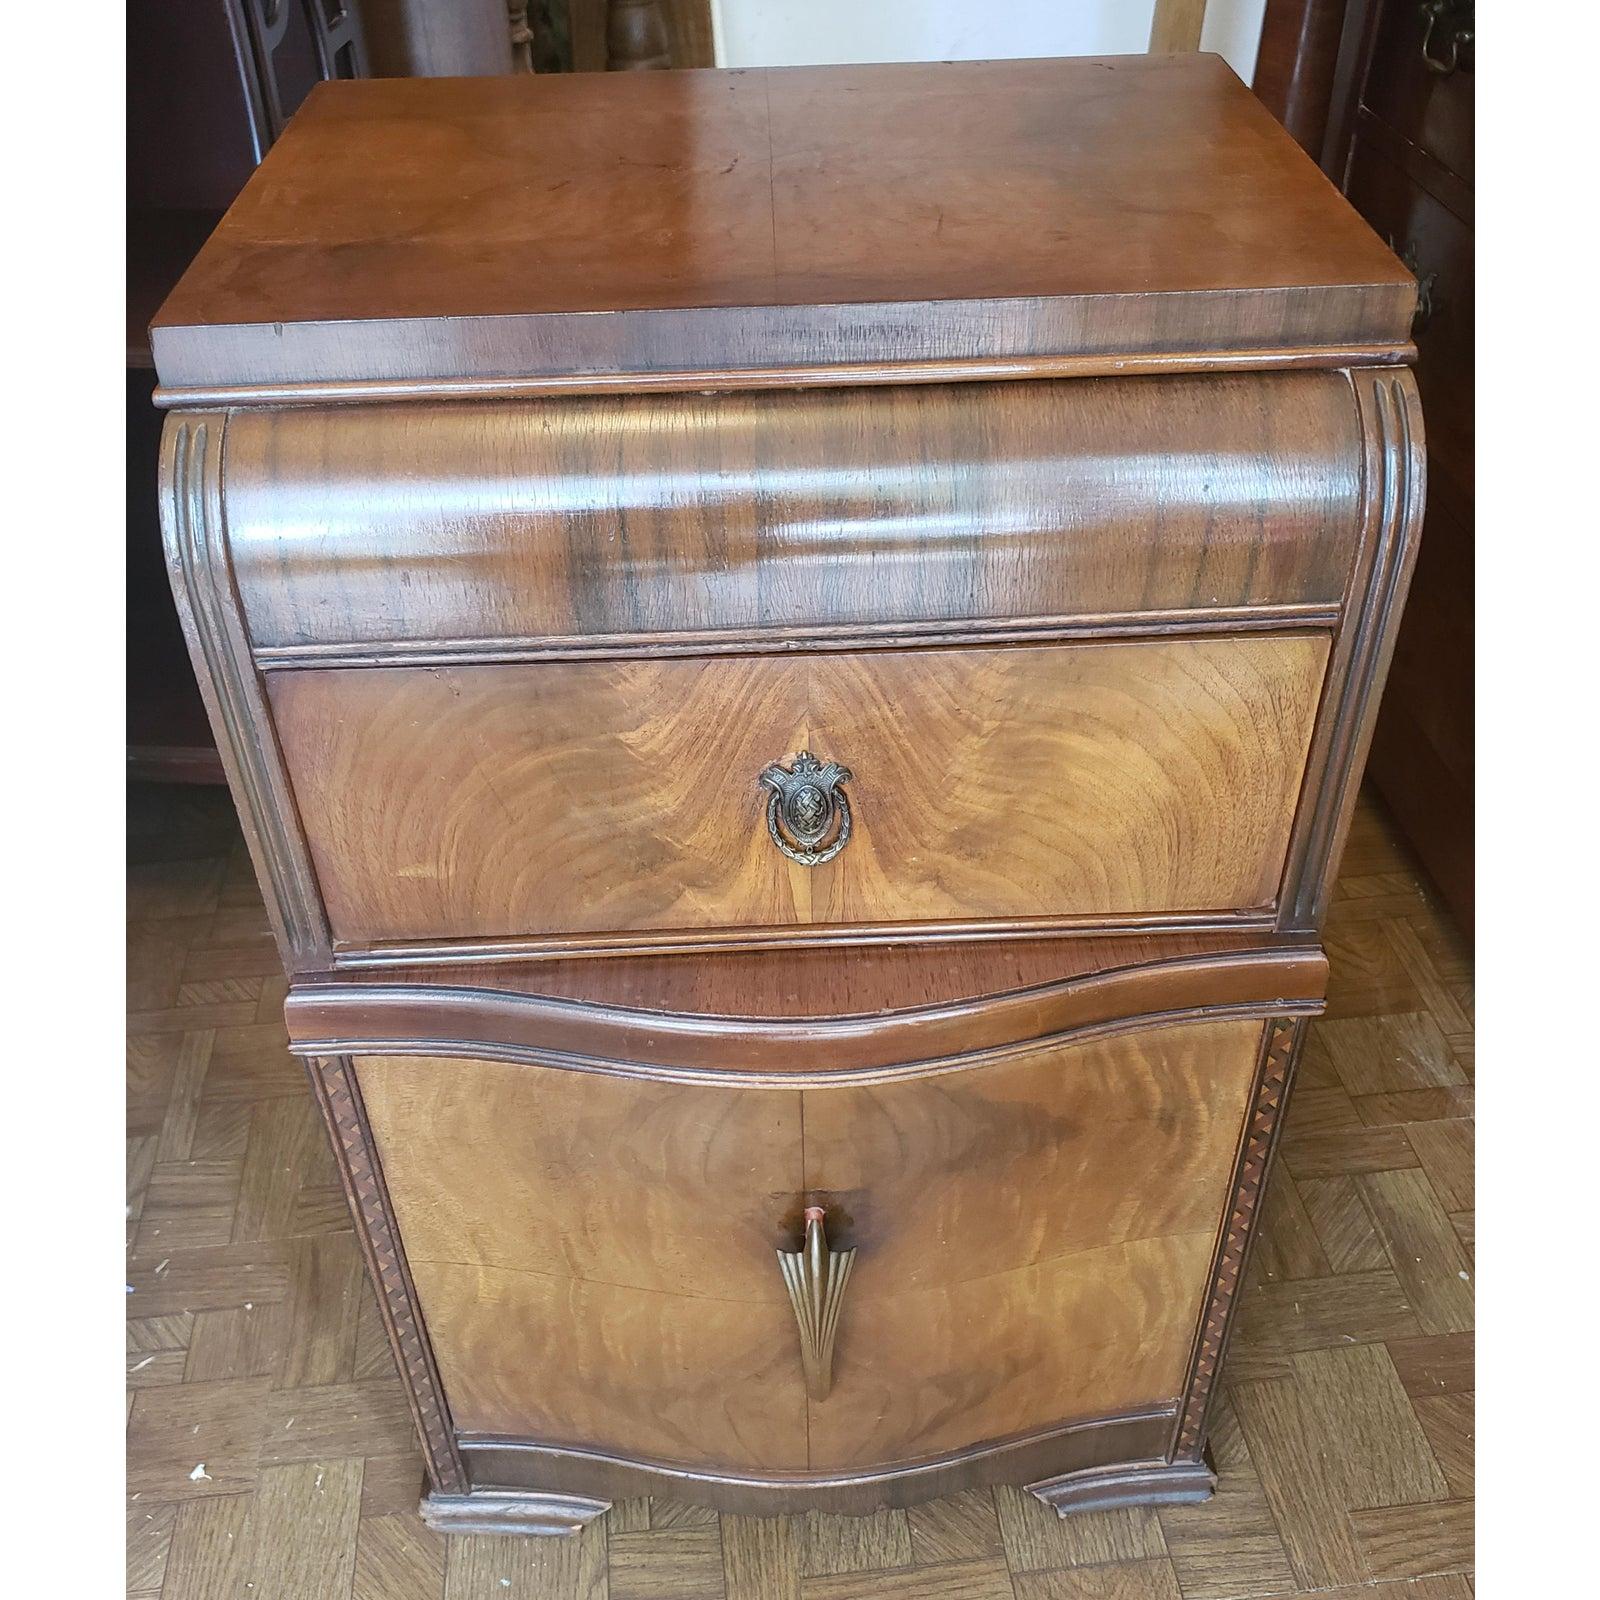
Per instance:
x=1034, y=1236
x=595, y=1255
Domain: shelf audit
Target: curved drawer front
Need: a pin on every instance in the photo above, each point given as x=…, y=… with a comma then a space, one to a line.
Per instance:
x=576, y=800
x=568, y=520
x=597, y=1258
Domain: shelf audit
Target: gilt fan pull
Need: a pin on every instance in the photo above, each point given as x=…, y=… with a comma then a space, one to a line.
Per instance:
x=815, y=1277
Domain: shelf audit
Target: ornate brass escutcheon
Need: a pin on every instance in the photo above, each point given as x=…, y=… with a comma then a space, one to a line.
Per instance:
x=815, y=1278
x=806, y=806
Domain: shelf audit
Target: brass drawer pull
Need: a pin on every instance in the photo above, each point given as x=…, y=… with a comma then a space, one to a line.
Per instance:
x=1456, y=34
x=815, y=1278
x=806, y=806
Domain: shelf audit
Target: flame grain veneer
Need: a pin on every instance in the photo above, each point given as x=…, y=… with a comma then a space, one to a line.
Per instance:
x=796, y=789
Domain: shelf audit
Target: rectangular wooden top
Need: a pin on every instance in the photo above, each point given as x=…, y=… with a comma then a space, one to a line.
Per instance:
x=1122, y=212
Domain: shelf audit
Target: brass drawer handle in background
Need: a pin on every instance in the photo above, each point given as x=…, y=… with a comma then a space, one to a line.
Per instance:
x=806, y=806
x=815, y=1278
x=1456, y=35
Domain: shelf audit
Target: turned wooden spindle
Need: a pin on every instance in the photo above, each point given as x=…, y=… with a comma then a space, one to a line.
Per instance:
x=521, y=36
x=636, y=36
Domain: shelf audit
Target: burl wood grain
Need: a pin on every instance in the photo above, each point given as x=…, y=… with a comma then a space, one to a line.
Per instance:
x=595, y=1257
x=1035, y=1235
x=594, y=1252
x=1073, y=780
x=435, y=228
x=580, y=519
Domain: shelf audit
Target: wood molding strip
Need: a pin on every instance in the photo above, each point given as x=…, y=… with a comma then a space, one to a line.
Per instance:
x=193, y=532
x=498, y=1465
x=1393, y=472
x=774, y=641
x=527, y=948
x=800, y=1077
x=843, y=375
x=358, y=1019
x=1280, y=1051
x=333, y=1080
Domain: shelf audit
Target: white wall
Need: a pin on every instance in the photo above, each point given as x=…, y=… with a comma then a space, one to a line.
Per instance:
x=789, y=33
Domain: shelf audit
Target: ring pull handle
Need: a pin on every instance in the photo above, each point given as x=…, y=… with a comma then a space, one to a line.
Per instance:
x=808, y=815
x=1458, y=39
x=815, y=1277
x=1427, y=285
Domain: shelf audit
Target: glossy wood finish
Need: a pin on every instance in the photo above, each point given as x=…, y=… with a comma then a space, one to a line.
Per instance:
x=1034, y=1237
x=1296, y=62
x=1192, y=226
x=1094, y=1450
x=659, y=1032
x=591, y=520
x=1073, y=781
x=498, y=683
x=602, y=1249
x=789, y=984
x=616, y=1238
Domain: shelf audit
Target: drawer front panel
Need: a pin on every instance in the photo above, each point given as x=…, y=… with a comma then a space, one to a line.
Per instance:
x=583, y=518
x=596, y=1259
x=561, y=799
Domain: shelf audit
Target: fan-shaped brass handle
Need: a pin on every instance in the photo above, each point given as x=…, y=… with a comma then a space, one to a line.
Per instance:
x=815, y=1277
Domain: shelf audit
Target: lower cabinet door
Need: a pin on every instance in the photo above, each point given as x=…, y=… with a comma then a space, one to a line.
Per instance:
x=597, y=1256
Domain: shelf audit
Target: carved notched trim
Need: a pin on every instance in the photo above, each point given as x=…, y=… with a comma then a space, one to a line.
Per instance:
x=333, y=1079
x=1233, y=1249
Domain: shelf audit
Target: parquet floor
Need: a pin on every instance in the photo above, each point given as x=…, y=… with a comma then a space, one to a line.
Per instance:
x=269, y=1449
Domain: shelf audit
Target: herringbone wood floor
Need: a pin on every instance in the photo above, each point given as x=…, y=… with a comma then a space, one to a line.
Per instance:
x=270, y=1451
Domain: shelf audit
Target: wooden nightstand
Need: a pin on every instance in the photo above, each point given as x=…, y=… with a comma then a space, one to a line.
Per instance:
x=795, y=648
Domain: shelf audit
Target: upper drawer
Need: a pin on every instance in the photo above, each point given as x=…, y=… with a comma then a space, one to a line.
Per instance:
x=578, y=519
x=605, y=801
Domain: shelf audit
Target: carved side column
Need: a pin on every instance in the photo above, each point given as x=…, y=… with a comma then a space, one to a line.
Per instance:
x=636, y=36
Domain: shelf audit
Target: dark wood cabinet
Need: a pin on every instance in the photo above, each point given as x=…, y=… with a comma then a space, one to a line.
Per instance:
x=1400, y=144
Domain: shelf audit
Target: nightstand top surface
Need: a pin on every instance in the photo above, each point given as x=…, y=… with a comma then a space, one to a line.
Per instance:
x=417, y=230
